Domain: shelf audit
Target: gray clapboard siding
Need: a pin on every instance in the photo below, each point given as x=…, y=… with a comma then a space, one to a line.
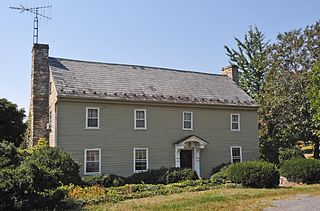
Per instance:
x=117, y=137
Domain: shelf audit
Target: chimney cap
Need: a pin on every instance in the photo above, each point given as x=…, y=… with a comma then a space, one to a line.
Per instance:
x=40, y=46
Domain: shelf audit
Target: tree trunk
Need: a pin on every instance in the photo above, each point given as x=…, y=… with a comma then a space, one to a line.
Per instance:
x=316, y=149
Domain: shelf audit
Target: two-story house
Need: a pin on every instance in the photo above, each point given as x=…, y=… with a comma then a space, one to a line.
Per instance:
x=122, y=119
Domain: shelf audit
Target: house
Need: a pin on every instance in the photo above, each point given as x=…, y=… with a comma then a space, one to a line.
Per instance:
x=122, y=119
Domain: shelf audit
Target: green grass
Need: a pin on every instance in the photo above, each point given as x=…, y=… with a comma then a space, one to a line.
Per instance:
x=217, y=199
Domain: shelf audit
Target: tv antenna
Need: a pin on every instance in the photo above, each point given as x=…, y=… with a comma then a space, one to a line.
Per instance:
x=35, y=11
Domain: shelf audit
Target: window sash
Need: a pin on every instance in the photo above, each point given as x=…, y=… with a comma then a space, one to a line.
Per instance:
x=235, y=122
x=92, y=120
x=187, y=120
x=140, y=116
x=236, y=154
x=140, y=159
x=92, y=161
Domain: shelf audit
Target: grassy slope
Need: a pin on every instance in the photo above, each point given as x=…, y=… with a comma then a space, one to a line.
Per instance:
x=219, y=199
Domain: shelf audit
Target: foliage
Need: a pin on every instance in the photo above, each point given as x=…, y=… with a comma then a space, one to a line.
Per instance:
x=301, y=170
x=218, y=168
x=255, y=174
x=53, y=163
x=314, y=93
x=98, y=194
x=220, y=177
x=162, y=176
x=251, y=57
x=9, y=156
x=285, y=114
x=12, y=127
x=289, y=153
x=109, y=180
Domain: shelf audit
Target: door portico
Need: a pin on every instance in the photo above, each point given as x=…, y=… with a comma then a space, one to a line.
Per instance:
x=193, y=143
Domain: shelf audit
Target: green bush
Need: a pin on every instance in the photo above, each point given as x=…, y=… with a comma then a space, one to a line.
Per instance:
x=162, y=176
x=256, y=174
x=55, y=165
x=9, y=156
x=301, y=170
x=289, y=153
x=218, y=168
x=109, y=180
x=220, y=177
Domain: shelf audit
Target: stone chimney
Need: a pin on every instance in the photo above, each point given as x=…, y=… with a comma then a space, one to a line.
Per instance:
x=39, y=102
x=232, y=72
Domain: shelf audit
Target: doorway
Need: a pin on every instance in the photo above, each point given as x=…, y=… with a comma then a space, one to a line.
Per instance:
x=186, y=159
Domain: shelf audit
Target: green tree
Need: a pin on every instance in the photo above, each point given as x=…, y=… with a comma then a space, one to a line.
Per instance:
x=315, y=92
x=286, y=115
x=12, y=127
x=251, y=57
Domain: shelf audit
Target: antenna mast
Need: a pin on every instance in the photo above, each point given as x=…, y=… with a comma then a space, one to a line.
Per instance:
x=35, y=11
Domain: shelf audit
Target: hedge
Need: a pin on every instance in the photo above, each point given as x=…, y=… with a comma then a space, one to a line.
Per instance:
x=256, y=174
x=301, y=170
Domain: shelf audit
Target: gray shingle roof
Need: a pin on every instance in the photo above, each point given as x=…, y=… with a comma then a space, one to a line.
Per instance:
x=83, y=79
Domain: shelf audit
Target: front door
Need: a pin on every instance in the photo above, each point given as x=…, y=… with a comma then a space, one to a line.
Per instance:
x=186, y=159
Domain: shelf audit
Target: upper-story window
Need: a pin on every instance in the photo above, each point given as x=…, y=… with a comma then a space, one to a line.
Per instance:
x=235, y=122
x=236, y=154
x=92, y=161
x=140, y=156
x=92, y=118
x=140, y=119
x=187, y=122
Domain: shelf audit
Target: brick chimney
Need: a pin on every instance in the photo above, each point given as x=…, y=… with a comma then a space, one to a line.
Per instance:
x=232, y=72
x=39, y=102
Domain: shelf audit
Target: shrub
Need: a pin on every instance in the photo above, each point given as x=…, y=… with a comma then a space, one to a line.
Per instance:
x=289, y=153
x=162, y=176
x=221, y=176
x=256, y=174
x=8, y=155
x=217, y=168
x=51, y=166
x=301, y=170
x=109, y=180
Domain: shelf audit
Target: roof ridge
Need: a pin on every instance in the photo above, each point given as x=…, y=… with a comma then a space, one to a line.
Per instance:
x=141, y=66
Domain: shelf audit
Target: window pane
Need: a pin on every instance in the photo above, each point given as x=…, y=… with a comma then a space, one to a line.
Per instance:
x=235, y=126
x=139, y=114
x=93, y=155
x=141, y=165
x=236, y=160
x=187, y=124
x=235, y=151
x=235, y=118
x=141, y=154
x=93, y=113
x=92, y=167
x=187, y=116
x=140, y=124
x=92, y=122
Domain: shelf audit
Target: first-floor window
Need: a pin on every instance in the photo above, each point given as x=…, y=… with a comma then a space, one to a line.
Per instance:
x=140, y=162
x=92, y=161
x=236, y=154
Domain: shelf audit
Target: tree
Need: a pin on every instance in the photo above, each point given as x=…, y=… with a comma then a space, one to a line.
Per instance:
x=315, y=92
x=251, y=57
x=286, y=115
x=12, y=127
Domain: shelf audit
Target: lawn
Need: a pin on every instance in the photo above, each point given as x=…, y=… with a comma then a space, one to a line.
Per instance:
x=217, y=199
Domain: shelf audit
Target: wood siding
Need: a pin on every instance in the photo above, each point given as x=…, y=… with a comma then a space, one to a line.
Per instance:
x=117, y=137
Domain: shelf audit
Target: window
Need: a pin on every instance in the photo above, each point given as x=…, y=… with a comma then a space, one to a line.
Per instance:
x=236, y=154
x=92, y=161
x=187, y=120
x=92, y=120
x=140, y=119
x=140, y=156
x=235, y=122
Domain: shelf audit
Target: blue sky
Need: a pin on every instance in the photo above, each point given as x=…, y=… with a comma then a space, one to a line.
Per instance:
x=181, y=34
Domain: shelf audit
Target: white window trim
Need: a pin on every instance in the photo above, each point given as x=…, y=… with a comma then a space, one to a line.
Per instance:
x=135, y=118
x=231, y=156
x=87, y=108
x=183, y=128
x=134, y=159
x=235, y=122
x=85, y=162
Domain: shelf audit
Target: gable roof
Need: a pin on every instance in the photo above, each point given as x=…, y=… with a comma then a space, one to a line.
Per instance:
x=94, y=80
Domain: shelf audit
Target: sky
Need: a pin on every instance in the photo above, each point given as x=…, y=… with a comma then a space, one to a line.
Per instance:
x=178, y=34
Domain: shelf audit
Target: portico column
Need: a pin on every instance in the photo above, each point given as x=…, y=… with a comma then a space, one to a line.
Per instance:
x=197, y=160
x=177, y=155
